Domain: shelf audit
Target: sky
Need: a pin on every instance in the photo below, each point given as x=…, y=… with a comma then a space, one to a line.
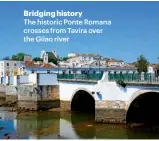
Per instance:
x=134, y=30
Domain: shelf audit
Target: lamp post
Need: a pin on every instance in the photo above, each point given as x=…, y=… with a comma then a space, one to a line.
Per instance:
x=58, y=67
x=157, y=69
x=99, y=69
x=73, y=71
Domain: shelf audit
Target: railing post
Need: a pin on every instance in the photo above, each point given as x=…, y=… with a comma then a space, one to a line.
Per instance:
x=150, y=78
x=142, y=76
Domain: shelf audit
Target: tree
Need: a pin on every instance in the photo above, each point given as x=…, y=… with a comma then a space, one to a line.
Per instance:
x=19, y=56
x=52, y=58
x=105, y=58
x=142, y=64
x=36, y=59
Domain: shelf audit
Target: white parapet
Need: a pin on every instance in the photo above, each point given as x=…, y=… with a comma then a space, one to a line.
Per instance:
x=7, y=80
x=43, y=79
x=33, y=78
x=24, y=79
x=15, y=80
x=47, y=79
x=104, y=78
x=11, y=80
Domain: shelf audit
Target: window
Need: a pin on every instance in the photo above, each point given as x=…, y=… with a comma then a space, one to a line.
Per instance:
x=15, y=64
x=7, y=64
x=94, y=72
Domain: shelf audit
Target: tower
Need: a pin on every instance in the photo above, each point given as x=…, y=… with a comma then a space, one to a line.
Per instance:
x=54, y=52
x=42, y=54
x=45, y=58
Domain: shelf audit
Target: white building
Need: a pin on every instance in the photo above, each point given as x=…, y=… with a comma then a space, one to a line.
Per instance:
x=44, y=55
x=151, y=70
x=116, y=62
x=71, y=55
x=9, y=67
x=84, y=57
x=79, y=59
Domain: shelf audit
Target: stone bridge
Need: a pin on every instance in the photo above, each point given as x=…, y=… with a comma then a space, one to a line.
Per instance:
x=112, y=103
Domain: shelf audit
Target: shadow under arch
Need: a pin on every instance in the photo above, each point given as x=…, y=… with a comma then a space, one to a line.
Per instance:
x=83, y=101
x=143, y=109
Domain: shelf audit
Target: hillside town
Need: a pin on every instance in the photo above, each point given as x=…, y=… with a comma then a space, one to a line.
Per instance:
x=74, y=63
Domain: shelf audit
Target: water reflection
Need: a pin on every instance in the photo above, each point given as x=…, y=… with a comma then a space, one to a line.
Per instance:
x=7, y=121
x=40, y=124
x=64, y=125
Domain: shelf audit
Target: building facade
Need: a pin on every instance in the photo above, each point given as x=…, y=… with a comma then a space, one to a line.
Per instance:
x=9, y=67
x=116, y=62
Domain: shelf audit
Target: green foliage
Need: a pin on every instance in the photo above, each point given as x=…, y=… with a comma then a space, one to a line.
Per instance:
x=36, y=59
x=142, y=64
x=52, y=58
x=19, y=56
x=121, y=83
x=106, y=58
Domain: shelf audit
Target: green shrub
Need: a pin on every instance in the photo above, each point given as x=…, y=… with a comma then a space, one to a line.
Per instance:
x=121, y=83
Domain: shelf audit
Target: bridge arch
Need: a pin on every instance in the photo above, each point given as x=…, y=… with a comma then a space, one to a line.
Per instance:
x=143, y=108
x=83, y=101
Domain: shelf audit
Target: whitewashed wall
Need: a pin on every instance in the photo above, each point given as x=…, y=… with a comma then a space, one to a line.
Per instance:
x=68, y=89
x=103, y=90
x=111, y=91
x=15, y=81
x=24, y=79
x=7, y=79
x=33, y=78
x=11, y=81
x=48, y=79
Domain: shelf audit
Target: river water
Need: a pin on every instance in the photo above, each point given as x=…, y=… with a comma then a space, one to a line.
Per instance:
x=65, y=125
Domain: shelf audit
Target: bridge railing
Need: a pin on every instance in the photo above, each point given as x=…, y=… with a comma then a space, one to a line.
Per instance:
x=133, y=77
x=80, y=76
x=127, y=77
